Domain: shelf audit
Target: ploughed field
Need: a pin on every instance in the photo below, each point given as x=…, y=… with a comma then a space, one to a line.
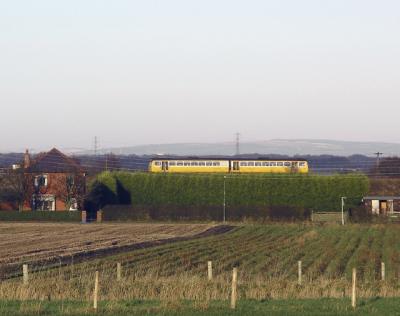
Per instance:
x=163, y=279
x=42, y=243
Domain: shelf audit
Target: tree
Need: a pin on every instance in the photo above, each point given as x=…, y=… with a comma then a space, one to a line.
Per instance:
x=388, y=167
x=71, y=188
x=16, y=187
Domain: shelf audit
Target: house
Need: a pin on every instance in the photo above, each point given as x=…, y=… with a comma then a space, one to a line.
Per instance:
x=54, y=182
x=382, y=205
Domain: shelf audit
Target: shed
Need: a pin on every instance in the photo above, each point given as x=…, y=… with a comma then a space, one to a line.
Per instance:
x=382, y=204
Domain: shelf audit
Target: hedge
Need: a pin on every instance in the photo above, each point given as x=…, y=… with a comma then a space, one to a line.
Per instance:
x=201, y=196
x=41, y=216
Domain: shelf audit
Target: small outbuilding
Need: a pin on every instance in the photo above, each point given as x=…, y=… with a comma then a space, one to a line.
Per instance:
x=382, y=205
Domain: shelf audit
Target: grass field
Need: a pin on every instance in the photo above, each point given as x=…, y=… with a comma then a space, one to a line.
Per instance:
x=326, y=307
x=266, y=257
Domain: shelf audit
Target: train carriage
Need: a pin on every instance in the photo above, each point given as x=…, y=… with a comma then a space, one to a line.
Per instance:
x=227, y=166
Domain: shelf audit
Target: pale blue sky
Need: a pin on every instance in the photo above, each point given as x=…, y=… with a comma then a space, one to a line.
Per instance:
x=137, y=72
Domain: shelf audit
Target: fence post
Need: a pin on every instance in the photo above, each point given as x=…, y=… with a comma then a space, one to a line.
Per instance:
x=353, y=290
x=84, y=217
x=99, y=216
x=234, y=288
x=210, y=273
x=119, y=271
x=383, y=271
x=299, y=272
x=25, y=278
x=96, y=290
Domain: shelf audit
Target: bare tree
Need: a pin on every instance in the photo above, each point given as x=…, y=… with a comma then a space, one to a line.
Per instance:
x=17, y=187
x=71, y=188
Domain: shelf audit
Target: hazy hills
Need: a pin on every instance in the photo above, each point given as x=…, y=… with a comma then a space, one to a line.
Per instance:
x=275, y=146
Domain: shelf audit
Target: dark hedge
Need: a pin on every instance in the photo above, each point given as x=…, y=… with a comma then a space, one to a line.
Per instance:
x=41, y=216
x=247, y=196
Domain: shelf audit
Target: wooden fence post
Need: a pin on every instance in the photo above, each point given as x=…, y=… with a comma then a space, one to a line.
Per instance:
x=96, y=290
x=299, y=272
x=25, y=277
x=234, y=288
x=119, y=271
x=383, y=271
x=353, y=290
x=210, y=273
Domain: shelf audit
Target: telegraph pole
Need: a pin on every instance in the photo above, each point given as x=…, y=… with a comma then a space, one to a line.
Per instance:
x=378, y=156
x=96, y=143
x=237, y=144
x=224, y=204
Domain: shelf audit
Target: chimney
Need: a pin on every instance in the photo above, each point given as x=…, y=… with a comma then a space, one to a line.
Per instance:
x=27, y=159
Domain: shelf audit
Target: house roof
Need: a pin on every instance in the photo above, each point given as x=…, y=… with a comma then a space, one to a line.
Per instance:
x=382, y=197
x=54, y=161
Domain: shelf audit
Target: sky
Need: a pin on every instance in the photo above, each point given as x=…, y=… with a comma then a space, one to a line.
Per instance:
x=152, y=72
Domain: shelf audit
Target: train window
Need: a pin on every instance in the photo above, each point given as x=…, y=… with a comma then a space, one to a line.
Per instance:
x=302, y=164
x=194, y=163
x=258, y=164
x=202, y=163
x=280, y=164
x=208, y=163
x=179, y=163
x=172, y=163
x=272, y=164
x=250, y=164
x=215, y=164
x=157, y=163
x=243, y=164
x=186, y=163
x=288, y=164
x=265, y=163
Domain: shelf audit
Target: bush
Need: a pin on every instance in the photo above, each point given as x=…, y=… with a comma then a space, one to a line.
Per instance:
x=41, y=216
x=247, y=196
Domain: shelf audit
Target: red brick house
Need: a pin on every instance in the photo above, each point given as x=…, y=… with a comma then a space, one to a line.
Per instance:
x=54, y=182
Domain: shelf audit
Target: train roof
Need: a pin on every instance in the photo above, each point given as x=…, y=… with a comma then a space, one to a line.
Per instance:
x=227, y=159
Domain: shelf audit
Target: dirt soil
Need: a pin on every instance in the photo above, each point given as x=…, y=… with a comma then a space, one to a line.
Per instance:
x=46, y=244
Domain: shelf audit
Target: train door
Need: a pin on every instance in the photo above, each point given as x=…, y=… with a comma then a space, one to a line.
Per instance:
x=164, y=166
x=235, y=166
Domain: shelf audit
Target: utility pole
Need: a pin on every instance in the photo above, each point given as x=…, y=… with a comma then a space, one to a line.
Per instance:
x=224, y=204
x=237, y=144
x=95, y=145
x=343, y=198
x=378, y=156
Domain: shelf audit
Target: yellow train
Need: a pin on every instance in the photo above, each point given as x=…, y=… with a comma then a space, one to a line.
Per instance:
x=227, y=166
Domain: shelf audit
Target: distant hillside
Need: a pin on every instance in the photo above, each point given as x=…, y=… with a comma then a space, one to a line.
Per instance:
x=277, y=146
